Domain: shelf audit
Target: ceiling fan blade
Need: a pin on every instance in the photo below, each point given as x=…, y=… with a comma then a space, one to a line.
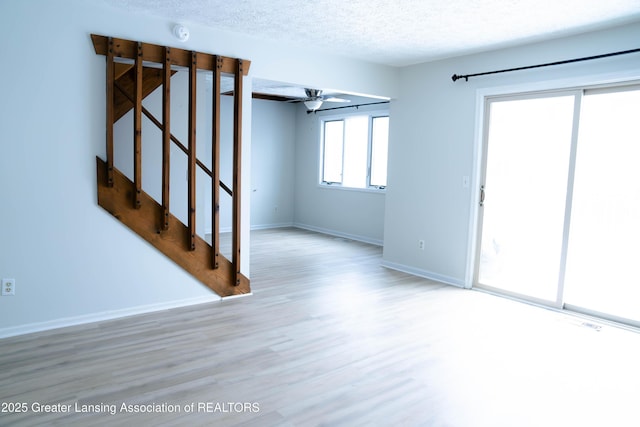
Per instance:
x=333, y=99
x=273, y=97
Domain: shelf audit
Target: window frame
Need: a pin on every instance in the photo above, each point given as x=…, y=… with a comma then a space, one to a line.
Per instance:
x=322, y=151
x=371, y=115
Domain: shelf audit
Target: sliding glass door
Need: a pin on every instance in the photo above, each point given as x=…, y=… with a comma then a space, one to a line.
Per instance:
x=604, y=242
x=528, y=148
x=560, y=215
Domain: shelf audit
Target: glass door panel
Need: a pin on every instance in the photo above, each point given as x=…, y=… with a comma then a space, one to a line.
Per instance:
x=526, y=173
x=604, y=240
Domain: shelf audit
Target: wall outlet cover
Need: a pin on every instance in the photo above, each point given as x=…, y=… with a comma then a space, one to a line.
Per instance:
x=8, y=287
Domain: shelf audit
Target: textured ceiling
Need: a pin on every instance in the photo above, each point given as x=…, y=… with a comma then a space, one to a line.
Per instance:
x=396, y=32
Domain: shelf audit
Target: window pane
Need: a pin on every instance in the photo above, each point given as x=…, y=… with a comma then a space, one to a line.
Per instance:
x=603, y=249
x=332, y=154
x=379, y=145
x=356, y=143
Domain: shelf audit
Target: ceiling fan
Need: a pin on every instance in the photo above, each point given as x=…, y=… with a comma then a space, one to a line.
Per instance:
x=314, y=99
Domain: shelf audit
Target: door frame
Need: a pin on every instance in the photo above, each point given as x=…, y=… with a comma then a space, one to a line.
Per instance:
x=483, y=97
x=532, y=95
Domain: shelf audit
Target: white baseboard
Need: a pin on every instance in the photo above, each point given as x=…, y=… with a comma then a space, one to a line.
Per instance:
x=424, y=273
x=208, y=233
x=363, y=239
x=270, y=226
x=236, y=296
x=101, y=316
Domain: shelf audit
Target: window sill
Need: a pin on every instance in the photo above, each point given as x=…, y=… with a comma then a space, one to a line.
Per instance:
x=359, y=190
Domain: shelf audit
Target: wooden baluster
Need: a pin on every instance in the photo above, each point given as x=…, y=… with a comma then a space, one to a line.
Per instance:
x=175, y=140
x=110, y=96
x=237, y=161
x=137, y=130
x=191, y=167
x=166, y=136
x=215, y=165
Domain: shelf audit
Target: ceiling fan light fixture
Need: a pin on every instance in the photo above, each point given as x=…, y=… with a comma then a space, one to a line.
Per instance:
x=313, y=104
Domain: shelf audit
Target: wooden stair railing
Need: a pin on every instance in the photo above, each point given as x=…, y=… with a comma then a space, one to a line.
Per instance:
x=125, y=94
x=127, y=85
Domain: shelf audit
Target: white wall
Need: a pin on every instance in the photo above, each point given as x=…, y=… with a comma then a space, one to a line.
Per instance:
x=356, y=214
x=432, y=138
x=72, y=261
x=272, y=164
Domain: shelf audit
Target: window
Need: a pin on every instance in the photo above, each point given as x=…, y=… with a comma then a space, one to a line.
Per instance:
x=354, y=151
x=333, y=145
x=379, y=145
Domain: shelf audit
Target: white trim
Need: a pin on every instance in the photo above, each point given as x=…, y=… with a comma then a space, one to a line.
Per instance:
x=566, y=84
x=271, y=226
x=550, y=303
x=476, y=178
x=424, y=273
x=208, y=234
x=358, y=238
x=566, y=313
x=630, y=324
x=256, y=227
x=338, y=186
x=330, y=115
x=236, y=296
x=568, y=205
x=363, y=239
x=104, y=315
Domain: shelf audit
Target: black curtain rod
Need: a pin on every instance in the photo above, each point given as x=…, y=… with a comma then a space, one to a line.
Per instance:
x=568, y=61
x=348, y=106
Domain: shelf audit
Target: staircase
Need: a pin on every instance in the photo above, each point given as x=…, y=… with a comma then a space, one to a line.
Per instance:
x=135, y=70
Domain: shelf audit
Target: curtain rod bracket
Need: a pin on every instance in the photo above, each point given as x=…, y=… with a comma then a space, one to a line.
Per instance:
x=456, y=77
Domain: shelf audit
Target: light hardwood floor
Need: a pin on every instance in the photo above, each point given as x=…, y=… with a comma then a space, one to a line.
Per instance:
x=330, y=338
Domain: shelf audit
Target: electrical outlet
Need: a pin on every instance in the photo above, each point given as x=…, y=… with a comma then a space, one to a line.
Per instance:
x=8, y=287
x=421, y=245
